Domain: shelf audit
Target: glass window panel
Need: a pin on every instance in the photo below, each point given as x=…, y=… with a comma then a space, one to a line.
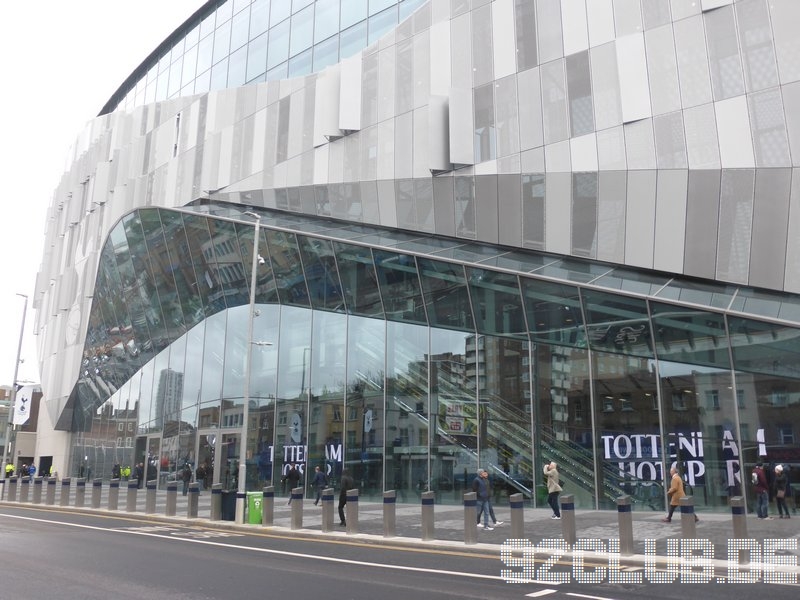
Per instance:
x=574, y=270
x=690, y=335
x=525, y=16
x=300, y=64
x=617, y=324
x=364, y=418
x=298, y=5
x=553, y=312
x=723, y=53
x=285, y=257
x=326, y=19
x=484, y=138
x=203, y=82
x=639, y=282
x=279, y=72
x=207, y=25
x=628, y=443
x=768, y=348
x=193, y=37
x=322, y=276
x=382, y=23
x=175, y=71
x=353, y=11
x=240, y=28
x=213, y=362
x=281, y=9
x=259, y=18
x=302, y=31
x=755, y=39
x=580, y=94
x=219, y=75
x=224, y=12
x=326, y=53
x=278, y=50
x=359, y=280
x=774, y=305
x=407, y=406
x=497, y=301
x=236, y=340
x=407, y=7
x=189, y=66
x=161, y=86
x=353, y=40
x=446, y=294
x=453, y=403
x=204, y=53
x=257, y=57
x=400, y=287
x=237, y=68
x=376, y=6
x=713, y=296
x=222, y=42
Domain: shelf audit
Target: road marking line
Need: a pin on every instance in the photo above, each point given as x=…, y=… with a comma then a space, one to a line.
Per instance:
x=268, y=550
x=540, y=593
x=588, y=597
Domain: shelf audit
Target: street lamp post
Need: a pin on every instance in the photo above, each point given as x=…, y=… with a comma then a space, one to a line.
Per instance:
x=241, y=493
x=13, y=398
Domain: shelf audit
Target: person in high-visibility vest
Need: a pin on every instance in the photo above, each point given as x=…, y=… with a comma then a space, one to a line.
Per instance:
x=9, y=469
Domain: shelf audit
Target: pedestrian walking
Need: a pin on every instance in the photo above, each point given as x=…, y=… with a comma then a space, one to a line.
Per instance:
x=553, y=488
x=781, y=491
x=292, y=478
x=319, y=483
x=345, y=483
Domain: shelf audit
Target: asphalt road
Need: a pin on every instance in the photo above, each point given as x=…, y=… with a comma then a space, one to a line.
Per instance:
x=51, y=554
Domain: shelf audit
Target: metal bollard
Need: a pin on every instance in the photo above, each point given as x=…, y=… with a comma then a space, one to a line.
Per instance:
x=37, y=490
x=24, y=490
x=327, y=510
x=216, y=501
x=12, y=489
x=427, y=515
x=63, y=500
x=389, y=513
x=351, y=512
x=739, y=517
x=97, y=492
x=517, y=516
x=267, y=506
x=3, y=488
x=297, y=508
x=470, y=520
x=688, y=518
x=113, y=494
x=194, y=500
x=50, y=494
x=150, y=497
x=133, y=490
x=80, y=493
x=567, y=502
x=625, y=518
x=172, y=499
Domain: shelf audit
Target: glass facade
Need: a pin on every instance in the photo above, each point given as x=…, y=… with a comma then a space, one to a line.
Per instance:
x=412, y=359
x=231, y=43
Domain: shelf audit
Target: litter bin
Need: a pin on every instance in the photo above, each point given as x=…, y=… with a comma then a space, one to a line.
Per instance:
x=254, y=507
x=228, y=508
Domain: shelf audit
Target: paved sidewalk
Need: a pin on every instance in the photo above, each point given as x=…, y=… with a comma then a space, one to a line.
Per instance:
x=603, y=525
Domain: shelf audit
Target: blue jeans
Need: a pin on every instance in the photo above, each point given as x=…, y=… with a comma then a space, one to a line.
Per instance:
x=483, y=507
x=762, y=502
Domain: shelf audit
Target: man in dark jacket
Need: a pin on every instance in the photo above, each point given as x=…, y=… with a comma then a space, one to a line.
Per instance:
x=761, y=489
x=292, y=478
x=345, y=483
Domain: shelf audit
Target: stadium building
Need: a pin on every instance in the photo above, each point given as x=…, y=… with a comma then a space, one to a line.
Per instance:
x=411, y=238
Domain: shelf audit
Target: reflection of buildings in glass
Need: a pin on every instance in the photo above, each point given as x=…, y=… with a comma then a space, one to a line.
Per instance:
x=168, y=397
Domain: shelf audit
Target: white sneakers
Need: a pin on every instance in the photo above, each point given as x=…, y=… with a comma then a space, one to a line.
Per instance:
x=556, y=518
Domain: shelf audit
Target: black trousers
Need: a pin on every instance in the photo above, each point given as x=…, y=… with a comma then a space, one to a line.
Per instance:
x=342, y=503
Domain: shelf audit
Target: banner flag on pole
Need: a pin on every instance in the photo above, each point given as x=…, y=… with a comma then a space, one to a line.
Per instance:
x=22, y=405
